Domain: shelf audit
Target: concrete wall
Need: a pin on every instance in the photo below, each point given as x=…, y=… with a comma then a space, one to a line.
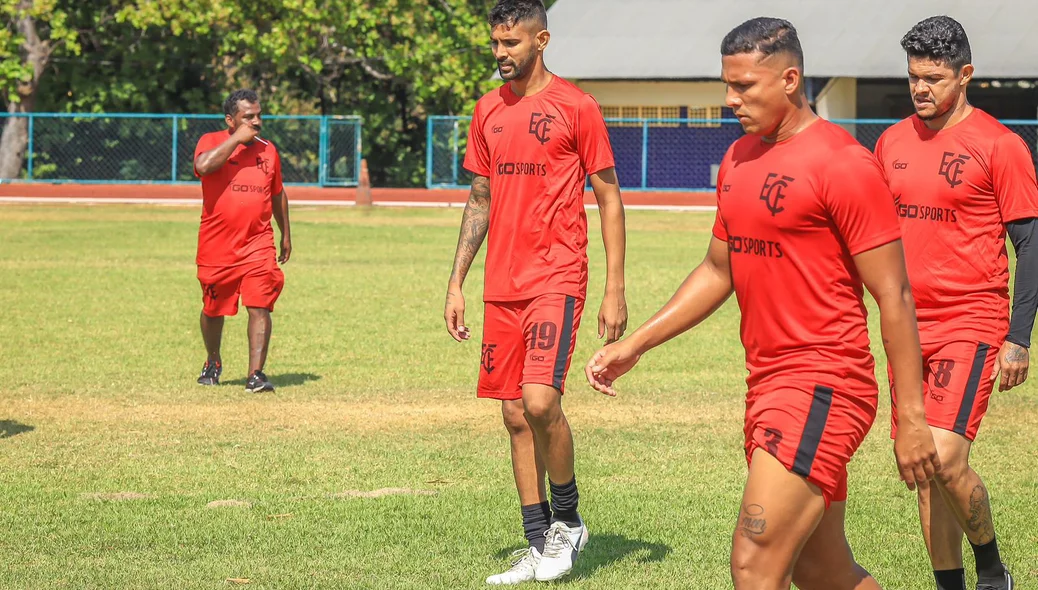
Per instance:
x=838, y=99
x=692, y=94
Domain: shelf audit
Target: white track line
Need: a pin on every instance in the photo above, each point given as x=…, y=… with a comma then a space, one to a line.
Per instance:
x=300, y=202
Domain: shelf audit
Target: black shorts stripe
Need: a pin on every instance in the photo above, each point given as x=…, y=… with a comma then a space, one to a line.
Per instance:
x=562, y=348
x=817, y=416
x=962, y=420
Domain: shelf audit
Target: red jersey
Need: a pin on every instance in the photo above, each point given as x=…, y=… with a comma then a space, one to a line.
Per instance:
x=955, y=190
x=236, y=203
x=537, y=151
x=793, y=214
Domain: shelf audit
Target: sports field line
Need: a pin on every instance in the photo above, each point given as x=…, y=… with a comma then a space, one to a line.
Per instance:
x=299, y=202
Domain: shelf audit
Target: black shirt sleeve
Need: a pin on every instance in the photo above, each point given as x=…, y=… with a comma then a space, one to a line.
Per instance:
x=1024, y=235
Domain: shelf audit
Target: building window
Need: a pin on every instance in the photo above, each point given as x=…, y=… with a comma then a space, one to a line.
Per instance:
x=660, y=115
x=711, y=113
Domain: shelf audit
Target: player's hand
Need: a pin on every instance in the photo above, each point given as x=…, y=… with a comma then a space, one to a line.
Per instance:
x=454, y=314
x=608, y=365
x=1012, y=362
x=612, y=317
x=245, y=133
x=286, y=249
x=916, y=453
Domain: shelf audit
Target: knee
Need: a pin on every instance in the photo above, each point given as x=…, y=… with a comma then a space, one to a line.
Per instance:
x=954, y=467
x=514, y=418
x=747, y=565
x=540, y=411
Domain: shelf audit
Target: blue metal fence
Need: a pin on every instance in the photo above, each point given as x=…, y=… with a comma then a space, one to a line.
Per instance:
x=652, y=154
x=159, y=149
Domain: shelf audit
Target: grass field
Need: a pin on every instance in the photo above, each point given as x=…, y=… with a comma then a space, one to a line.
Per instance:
x=110, y=455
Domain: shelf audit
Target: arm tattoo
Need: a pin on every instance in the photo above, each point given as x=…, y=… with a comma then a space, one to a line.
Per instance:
x=474, y=225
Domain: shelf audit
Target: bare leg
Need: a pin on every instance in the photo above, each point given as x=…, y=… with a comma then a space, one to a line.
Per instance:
x=212, y=335
x=780, y=511
x=826, y=561
x=260, y=326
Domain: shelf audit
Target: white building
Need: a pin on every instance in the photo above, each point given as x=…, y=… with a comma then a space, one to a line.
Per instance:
x=660, y=58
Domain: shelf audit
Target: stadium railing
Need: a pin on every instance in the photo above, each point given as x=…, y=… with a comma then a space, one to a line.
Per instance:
x=159, y=149
x=652, y=154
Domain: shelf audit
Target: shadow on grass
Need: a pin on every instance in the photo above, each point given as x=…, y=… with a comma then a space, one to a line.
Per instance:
x=9, y=428
x=604, y=550
x=282, y=380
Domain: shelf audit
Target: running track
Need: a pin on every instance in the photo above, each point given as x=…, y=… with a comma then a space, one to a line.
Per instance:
x=189, y=194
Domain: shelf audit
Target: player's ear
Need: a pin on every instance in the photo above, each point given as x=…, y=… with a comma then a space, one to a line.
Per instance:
x=541, y=40
x=966, y=74
x=230, y=121
x=792, y=80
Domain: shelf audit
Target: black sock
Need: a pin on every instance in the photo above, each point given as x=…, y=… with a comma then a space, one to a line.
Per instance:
x=564, y=502
x=950, y=579
x=536, y=519
x=989, y=563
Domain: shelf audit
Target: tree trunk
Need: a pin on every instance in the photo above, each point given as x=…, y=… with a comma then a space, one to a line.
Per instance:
x=36, y=54
x=13, y=142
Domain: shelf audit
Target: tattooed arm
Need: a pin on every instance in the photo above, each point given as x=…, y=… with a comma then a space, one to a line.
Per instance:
x=474, y=225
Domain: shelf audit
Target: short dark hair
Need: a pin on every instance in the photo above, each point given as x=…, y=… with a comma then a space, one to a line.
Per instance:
x=512, y=12
x=230, y=106
x=766, y=35
x=940, y=38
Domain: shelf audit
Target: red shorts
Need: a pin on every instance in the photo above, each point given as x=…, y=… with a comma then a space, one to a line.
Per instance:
x=956, y=386
x=257, y=283
x=527, y=341
x=813, y=430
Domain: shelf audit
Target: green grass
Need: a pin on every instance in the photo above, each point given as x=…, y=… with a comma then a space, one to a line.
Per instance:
x=99, y=349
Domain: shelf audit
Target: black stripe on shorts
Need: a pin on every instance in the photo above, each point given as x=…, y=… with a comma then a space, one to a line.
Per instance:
x=962, y=421
x=817, y=416
x=562, y=348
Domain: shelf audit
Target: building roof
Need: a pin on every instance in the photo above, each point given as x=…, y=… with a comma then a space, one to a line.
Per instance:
x=680, y=39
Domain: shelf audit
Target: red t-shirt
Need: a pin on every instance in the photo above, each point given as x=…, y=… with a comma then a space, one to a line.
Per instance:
x=955, y=190
x=793, y=214
x=236, y=203
x=537, y=151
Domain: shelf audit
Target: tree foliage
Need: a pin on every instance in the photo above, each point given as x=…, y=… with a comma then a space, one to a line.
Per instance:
x=394, y=62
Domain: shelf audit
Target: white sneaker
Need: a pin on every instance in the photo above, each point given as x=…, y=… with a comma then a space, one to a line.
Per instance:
x=561, y=547
x=524, y=564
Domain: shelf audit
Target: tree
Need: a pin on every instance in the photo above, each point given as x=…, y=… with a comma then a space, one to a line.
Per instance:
x=393, y=62
x=35, y=31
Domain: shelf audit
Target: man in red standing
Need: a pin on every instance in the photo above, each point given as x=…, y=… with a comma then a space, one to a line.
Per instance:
x=241, y=191
x=532, y=144
x=962, y=181
x=804, y=220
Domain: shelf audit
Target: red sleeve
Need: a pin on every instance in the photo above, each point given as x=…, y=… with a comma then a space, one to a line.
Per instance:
x=596, y=153
x=204, y=145
x=276, y=185
x=878, y=151
x=720, y=230
x=1012, y=174
x=477, y=154
x=858, y=200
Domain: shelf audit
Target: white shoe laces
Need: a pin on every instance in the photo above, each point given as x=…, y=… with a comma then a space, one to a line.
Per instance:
x=556, y=542
x=521, y=555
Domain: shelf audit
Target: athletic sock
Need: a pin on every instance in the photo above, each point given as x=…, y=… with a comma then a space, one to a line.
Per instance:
x=536, y=519
x=989, y=563
x=950, y=579
x=564, y=500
